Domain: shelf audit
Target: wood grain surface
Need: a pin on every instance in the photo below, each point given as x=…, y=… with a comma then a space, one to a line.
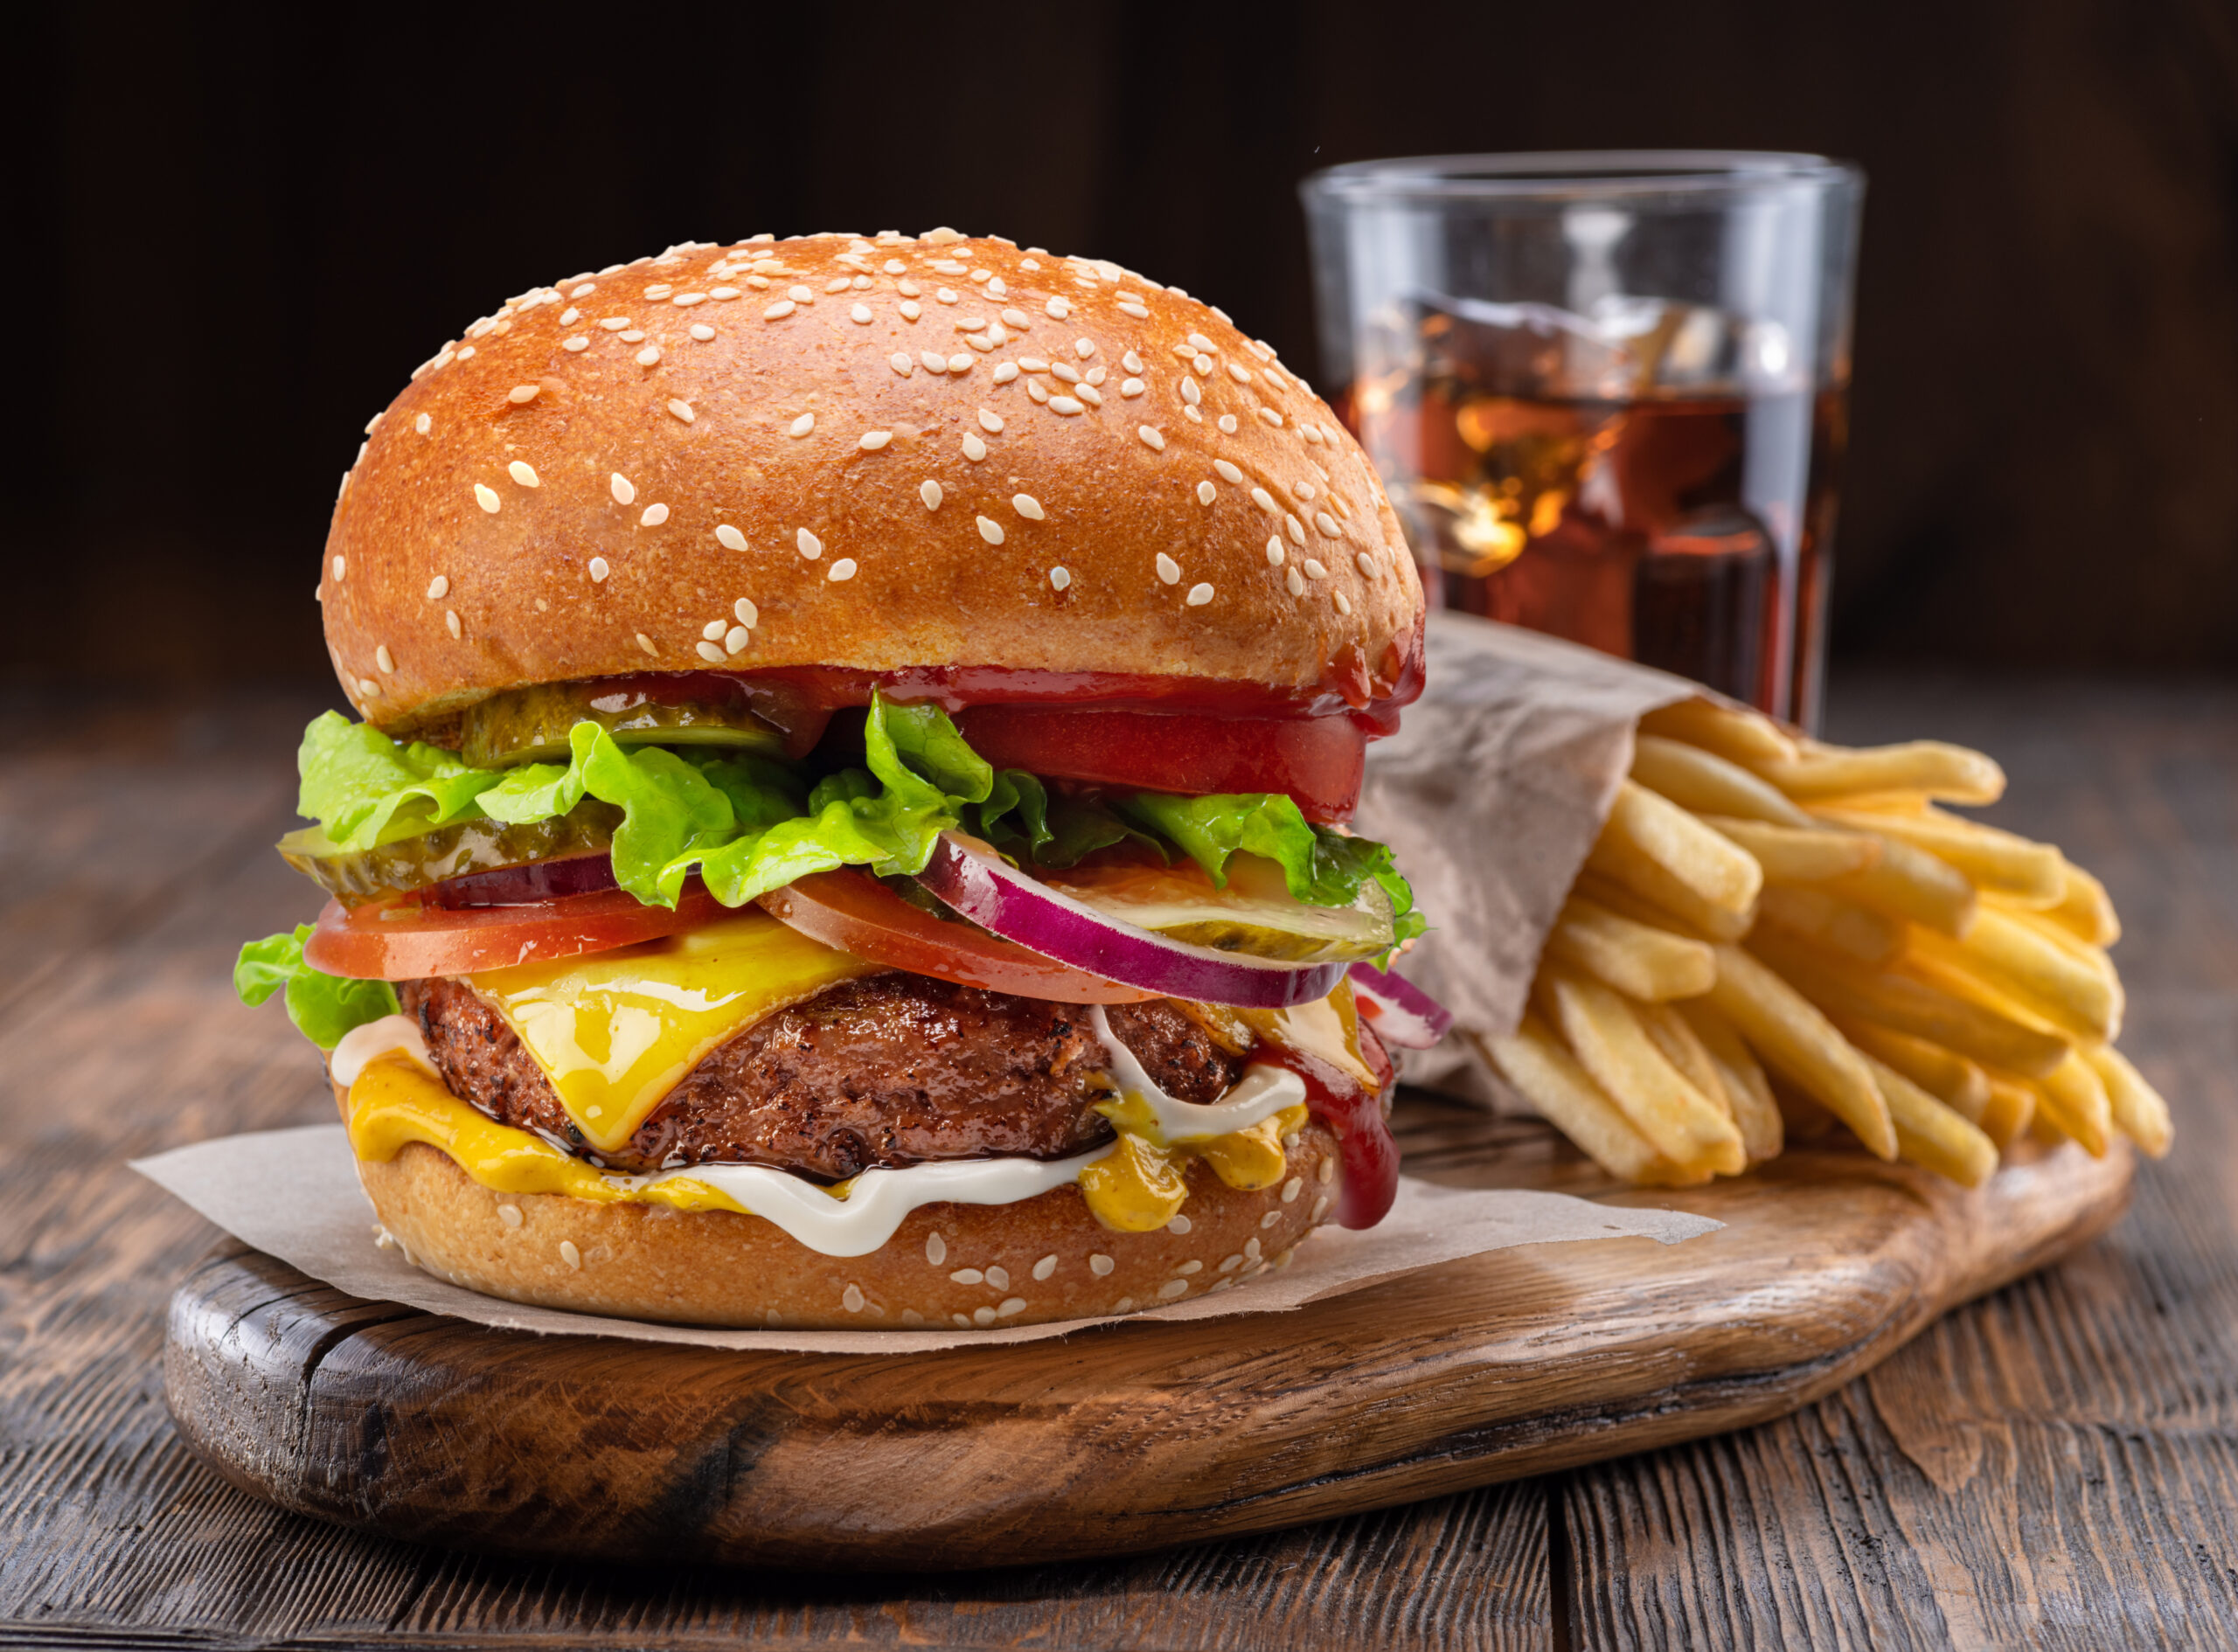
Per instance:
x=2054, y=1466
x=1120, y=1439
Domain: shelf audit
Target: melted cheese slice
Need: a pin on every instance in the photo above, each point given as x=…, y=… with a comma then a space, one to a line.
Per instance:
x=615, y=1032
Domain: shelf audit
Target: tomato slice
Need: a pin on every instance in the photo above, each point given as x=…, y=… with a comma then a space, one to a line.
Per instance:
x=404, y=941
x=1316, y=760
x=859, y=914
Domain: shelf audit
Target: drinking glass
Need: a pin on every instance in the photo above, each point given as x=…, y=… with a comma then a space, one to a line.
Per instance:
x=1606, y=391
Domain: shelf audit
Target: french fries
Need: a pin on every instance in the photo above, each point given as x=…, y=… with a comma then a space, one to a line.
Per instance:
x=1754, y=902
x=1651, y=965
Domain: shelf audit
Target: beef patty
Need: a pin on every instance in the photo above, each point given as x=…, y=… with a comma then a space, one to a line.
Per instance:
x=888, y=1070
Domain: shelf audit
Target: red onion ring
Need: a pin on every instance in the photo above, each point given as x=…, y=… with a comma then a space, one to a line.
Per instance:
x=520, y=885
x=997, y=897
x=1401, y=1012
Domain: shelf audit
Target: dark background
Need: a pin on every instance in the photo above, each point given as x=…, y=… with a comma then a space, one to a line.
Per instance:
x=236, y=232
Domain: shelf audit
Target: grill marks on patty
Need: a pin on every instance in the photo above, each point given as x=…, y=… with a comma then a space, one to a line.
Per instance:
x=890, y=1070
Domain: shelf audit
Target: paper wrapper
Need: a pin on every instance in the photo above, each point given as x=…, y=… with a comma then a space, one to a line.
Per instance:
x=294, y=1194
x=1492, y=794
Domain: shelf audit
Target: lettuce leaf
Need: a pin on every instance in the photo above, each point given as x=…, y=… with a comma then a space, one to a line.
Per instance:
x=748, y=825
x=323, y=1007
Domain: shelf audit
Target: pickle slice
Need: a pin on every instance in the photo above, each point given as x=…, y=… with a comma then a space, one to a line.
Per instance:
x=354, y=876
x=1255, y=913
x=531, y=725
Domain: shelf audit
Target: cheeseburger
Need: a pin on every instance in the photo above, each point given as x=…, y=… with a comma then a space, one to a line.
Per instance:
x=844, y=821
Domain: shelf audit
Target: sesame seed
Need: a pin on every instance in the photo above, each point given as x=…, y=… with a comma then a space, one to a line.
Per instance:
x=702, y=332
x=646, y=643
x=487, y=498
x=599, y=570
x=1131, y=386
x=367, y=688
x=614, y=323
x=944, y=295
x=1292, y=1188
x=1207, y=493
x=661, y=289
x=1365, y=563
x=908, y=289
x=713, y=630
x=933, y=363
x=1193, y=1265
x=1131, y=361
x=1095, y=375
x=1202, y=364
x=383, y=658
x=1034, y=391
x=649, y=356
x=991, y=531
x=1172, y=1288
x=1152, y=437
x=1303, y=489
x=841, y=570
x=1327, y=524
x=778, y=310
x=1065, y=406
x=1344, y=603
x=935, y=1249
x=900, y=363
x=1005, y=371
x=1238, y=371
x=585, y=290
x=438, y=588
x=967, y=1276
x=722, y=294
x=1264, y=500
x=930, y=493
x=999, y=1278
x=1083, y=348
x=1314, y=570
x=1271, y=417
x=894, y=267
x=1200, y=343
x=1168, y=569
x=1027, y=506
x=747, y=613
x=633, y=337
x=736, y=638
x=1059, y=578
x=1033, y=363
x=1320, y=1208
x=731, y=539
x=1297, y=582
x=450, y=623
x=1326, y=1173
x=1199, y=595
x=1046, y=1267
x=1190, y=394
x=860, y=315
x=838, y=285
x=1135, y=311
x=1017, y=318
x=970, y=323
x=655, y=515
x=959, y=363
x=341, y=568
x=1295, y=531
x=521, y=393
x=1010, y=1305
x=800, y=295
x=682, y=410
x=871, y=441
x=1100, y=1265
x=982, y=1315
x=578, y=342
x=1228, y=473
x=1089, y=394
x=851, y=1299
x=712, y=652
x=1056, y=309
x=423, y=424
x=1275, y=551
x=802, y=424
x=811, y=547
x=911, y=311
x=1067, y=372
x=1227, y=424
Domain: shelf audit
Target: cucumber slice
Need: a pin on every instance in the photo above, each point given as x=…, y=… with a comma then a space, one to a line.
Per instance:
x=531, y=725
x=1255, y=914
x=413, y=861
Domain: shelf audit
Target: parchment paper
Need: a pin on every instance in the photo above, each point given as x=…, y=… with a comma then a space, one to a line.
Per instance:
x=1492, y=794
x=294, y=1194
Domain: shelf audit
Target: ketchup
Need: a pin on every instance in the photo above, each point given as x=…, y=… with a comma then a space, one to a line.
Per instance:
x=1355, y=1116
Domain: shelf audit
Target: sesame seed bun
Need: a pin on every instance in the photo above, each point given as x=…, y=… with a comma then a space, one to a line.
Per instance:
x=977, y=1265
x=753, y=439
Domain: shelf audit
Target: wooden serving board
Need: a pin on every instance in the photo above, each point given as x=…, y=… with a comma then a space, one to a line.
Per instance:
x=1125, y=1438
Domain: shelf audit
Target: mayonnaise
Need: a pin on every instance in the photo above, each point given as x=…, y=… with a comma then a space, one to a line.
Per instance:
x=1263, y=1091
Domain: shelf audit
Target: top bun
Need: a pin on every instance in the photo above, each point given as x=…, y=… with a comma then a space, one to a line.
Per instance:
x=875, y=454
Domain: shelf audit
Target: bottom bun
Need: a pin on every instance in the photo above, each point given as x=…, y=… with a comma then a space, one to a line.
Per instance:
x=1042, y=1259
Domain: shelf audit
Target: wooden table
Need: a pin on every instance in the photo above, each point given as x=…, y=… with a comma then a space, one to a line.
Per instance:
x=2056, y=1465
